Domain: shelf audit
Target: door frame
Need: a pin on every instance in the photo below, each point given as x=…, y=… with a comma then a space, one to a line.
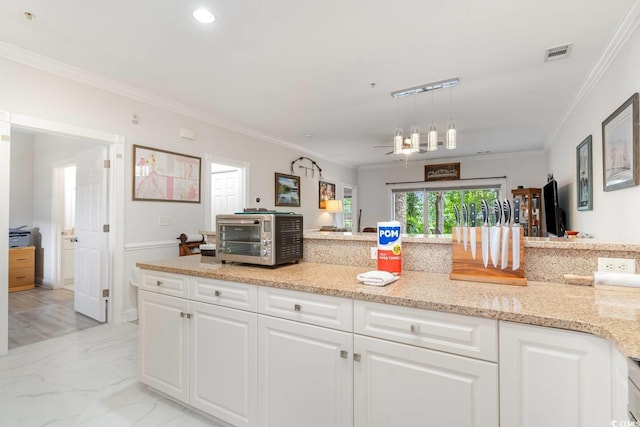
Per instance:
x=115, y=210
x=58, y=218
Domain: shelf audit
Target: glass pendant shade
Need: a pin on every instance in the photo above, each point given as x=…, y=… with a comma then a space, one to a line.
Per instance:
x=415, y=139
x=451, y=139
x=397, y=141
x=432, y=138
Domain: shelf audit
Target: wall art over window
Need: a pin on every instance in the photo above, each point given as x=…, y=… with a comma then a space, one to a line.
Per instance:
x=441, y=172
x=164, y=176
x=287, y=190
x=584, y=175
x=620, y=146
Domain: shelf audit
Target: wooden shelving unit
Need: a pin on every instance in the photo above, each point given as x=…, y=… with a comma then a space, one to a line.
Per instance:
x=21, y=268
x=530, y=209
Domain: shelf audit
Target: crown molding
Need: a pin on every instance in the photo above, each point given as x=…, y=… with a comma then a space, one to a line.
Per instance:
x=44, y=63
x=626, y=28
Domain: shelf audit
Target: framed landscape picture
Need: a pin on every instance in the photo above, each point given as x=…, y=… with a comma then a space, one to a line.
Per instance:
x=620, y=146
x=165, y=176
x=327, y=191
x=287, y=190
x=584, y=178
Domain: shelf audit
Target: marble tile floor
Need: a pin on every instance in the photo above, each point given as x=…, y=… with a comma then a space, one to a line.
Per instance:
x=87, y=378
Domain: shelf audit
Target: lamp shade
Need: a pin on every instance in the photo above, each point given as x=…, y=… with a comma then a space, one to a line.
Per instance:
x=333, y=206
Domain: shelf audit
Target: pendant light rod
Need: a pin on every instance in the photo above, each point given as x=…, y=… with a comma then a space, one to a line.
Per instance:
x=426, y=87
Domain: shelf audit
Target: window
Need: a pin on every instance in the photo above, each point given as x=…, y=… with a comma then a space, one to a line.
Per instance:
x=347, y=207
x=430, y=210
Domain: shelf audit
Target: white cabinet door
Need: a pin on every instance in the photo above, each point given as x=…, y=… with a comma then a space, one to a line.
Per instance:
x=553, y=377
x=401, y=385
x=305, y=375
x=164, y=343
x=224, y=363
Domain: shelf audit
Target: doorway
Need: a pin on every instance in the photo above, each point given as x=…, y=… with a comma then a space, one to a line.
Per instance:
x=228, y=189
x=111, y=238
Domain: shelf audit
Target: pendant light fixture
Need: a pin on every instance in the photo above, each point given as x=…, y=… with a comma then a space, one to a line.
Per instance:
x=397, y=136
x=451, y=136
x=432, y=136
x=415, y=130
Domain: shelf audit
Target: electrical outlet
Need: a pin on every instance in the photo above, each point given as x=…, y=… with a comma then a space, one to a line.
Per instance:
x=374, y=253
x=617, y=265
x=164, y=221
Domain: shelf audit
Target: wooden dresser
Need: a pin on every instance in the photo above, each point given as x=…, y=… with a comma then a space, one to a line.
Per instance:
x=21, y=268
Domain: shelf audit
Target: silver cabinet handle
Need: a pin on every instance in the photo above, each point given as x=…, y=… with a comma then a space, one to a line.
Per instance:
x=182, y=314
x=158, y=282
x=217, y=293
x=297, y=307
x=415, y=329
x=344, y=354
x=188, y=315
x=356, y=357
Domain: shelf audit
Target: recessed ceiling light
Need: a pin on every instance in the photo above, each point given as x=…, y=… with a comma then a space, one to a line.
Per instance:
x=204, y=16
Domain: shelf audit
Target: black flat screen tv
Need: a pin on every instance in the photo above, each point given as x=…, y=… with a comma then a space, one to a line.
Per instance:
x=553, y=214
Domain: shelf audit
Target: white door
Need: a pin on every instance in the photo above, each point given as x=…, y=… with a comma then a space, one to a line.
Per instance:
x=163, y=343
x=552, y=377
x=402, y=385
x=226, y=190
x=92, y=245
x=224, y=363
x=305, y=375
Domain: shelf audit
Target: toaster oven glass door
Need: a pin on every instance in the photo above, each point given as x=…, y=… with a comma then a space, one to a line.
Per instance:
x=241, y=238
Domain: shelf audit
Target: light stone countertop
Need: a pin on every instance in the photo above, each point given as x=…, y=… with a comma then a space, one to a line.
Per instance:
x=612, y=314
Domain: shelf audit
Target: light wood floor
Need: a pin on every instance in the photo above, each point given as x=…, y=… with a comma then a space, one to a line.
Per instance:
x=39, y=314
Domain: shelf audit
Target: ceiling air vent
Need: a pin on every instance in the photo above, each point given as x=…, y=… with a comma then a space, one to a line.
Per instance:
x=558, y=52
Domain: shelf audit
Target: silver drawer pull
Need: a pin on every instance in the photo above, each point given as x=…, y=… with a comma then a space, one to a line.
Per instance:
x=182, y=314
x=344, y=354
x=158, y=282
x=356, y=357
x=415, y=329
x=217, y=293
x=188, y=315
x=297, y=307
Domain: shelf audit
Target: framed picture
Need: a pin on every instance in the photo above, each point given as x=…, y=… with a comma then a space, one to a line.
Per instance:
x=620, y=146
x=442, y=172
x=327, y=191
x=165, y=176
x=584, y=178
x=287, y=190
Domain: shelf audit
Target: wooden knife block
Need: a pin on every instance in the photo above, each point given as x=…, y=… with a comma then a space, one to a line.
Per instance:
x=464, y=267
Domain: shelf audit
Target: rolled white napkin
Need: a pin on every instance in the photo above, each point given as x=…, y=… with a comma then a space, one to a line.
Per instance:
x=377, y=278
x=616, y=279
x=192, y=238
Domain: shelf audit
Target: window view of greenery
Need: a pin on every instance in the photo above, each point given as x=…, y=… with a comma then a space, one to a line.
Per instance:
x=437, y=213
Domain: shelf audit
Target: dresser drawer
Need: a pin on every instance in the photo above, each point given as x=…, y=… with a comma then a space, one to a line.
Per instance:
x=320, y=310
x=165, y=283
x=228, y=294
x=453, y=333
x=20, y=276
x=21, y=257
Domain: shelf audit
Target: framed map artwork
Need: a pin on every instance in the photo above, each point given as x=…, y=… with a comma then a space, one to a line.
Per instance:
x=165, y=176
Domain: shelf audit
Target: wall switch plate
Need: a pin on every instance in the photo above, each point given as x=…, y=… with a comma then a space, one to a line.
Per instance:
x=616, y=265
x=164, y=221
x=374, y=253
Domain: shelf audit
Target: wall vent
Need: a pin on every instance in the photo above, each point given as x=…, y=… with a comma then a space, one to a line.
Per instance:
x=558, y=52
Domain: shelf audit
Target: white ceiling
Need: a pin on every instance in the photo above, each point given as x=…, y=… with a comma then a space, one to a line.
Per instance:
x=287, y=68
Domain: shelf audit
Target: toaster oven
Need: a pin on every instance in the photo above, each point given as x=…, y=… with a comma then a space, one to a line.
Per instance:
x=263, y=239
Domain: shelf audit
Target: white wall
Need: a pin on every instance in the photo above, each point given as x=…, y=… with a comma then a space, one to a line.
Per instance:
x=33, y=92
x=21, y=181
x=615, y=214
x=526, y=168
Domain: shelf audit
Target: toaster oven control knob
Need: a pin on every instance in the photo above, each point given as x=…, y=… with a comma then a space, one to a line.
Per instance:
x=265, y=252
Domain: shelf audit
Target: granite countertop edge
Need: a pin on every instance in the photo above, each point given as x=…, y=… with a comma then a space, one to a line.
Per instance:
x=610, y=314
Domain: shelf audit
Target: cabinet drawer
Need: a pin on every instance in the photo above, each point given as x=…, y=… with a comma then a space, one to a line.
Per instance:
x=453, y=333
x=20, y=276
x=165, y=283
x=228, y=294
x=21, y=258
x=321, y=310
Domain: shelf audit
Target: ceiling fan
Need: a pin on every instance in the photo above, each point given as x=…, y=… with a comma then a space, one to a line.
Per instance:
x=422, y=151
